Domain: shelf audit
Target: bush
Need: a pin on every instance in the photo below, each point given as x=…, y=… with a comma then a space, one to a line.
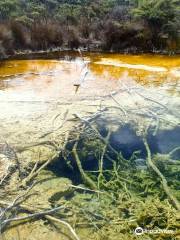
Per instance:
x=84, y=28
x=21, y=35
x=2, y=51
x=162, y=18
x=120, y=13
x=6, y=39
x=130, y=35
x=115, y=24
x=45, y=35
x=73, y=40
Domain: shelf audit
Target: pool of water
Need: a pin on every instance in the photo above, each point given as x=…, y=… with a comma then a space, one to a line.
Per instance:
x=52, y=79
x=105, y=118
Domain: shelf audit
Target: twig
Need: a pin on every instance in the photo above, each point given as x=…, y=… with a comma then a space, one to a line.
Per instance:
x=34, y=174
x=24, y=148
x=85, y=177
x=97, y=132
x=152, y=100
x=101, y=160
x=120, y=107
x=174, y=150
x=64, y=223
x=173, y=199
x=35, y=166
x=18, y=200
x=86, y=189
x=64, y=120
x=34, y=215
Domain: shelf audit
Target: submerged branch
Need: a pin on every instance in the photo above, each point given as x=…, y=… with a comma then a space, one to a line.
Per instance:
x=64, y=223
x=102, y=159
x=30, y=216
x=172, y=198
x=33, y=174
x=85, y=177
x=104, y=140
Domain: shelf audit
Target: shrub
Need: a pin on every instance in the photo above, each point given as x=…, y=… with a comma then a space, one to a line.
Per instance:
x=6, y=39
x=120, y=13
x=2, y=51
x=84, y=28
x=45, y=35
x=21, y=35
x=119, y=37
x=73, y=40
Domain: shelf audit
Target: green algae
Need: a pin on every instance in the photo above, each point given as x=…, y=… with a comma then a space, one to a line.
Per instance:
x=128, y=197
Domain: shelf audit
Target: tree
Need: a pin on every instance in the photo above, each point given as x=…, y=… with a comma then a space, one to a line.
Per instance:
x=162, y=17
x=9, y=9
x=156, y=11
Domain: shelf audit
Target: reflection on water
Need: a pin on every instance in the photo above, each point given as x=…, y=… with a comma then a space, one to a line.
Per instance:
x=52, y=79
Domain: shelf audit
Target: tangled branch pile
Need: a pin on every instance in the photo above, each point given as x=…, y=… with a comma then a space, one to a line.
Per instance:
x=112, y=192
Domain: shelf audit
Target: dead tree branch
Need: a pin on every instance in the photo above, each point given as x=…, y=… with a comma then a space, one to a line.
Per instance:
x=172, y=198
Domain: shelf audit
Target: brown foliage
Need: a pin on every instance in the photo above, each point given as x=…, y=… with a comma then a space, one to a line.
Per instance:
x=46, y=34
x=21, y=35
x=6, y=40
x=129, y=35
x=73, y=40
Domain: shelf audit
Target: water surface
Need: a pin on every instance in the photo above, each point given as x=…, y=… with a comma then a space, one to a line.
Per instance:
x=45, y=103
x=47, y=79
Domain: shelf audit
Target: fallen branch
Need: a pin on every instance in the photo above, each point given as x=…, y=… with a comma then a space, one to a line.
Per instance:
x=86, y=189
x=174, y=150
x=85, y=177
x=101, y=160
x=30, y=216
x=152, y=100
x=120, y=107
x=44, y=143
x=104, y=140
x=34, y=174
x=172, y=198
x=64, y=120
x=64, y=223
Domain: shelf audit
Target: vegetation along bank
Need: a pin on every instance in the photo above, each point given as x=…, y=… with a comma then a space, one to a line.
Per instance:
x=102, y=25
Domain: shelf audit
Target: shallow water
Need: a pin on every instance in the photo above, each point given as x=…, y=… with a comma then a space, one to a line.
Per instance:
x=45, y=104
x=27, y=80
